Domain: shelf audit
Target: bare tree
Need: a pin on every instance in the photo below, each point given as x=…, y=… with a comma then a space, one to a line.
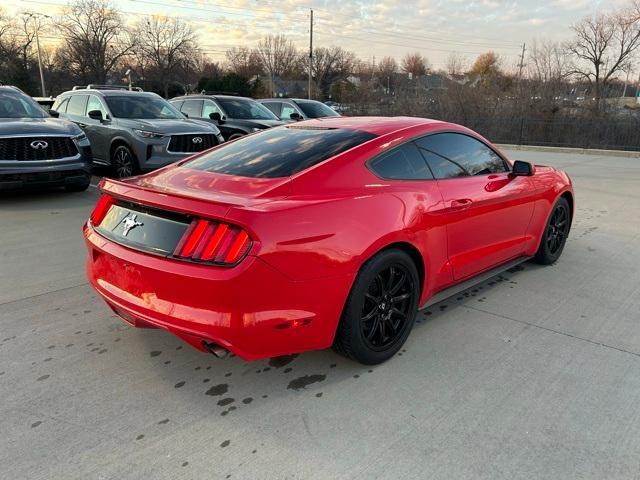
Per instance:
x=603, y=47
x=278, y=56
x=415, y=64
x=330, y=65
x=456, y=64
x=95, y=39
x=244, y=61
x=387, y=68
x=166, y=49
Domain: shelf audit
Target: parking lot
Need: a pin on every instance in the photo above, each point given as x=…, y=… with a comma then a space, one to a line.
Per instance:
x=532, y=374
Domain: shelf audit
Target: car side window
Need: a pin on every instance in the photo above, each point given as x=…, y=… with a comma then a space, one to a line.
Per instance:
x=60, y=105
x=275, y=107
x=94, y=103
x=76, y=105
x=193, y=108
x=286, y=112
x=209, y=108
x=451, y=155
x=401, y=163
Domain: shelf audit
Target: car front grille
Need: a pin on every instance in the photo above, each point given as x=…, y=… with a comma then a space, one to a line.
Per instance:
x=37, y=148
x=192, y=143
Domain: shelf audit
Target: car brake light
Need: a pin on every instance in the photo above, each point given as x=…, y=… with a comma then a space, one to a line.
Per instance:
x=213, y=242
x=101, y=209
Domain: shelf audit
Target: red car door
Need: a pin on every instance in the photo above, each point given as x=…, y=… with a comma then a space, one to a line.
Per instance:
x=488, y=210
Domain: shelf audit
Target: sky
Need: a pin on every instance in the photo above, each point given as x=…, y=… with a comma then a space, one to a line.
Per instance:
x=372, y=29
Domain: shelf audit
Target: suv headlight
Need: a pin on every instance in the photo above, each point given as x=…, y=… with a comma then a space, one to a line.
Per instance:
x=148, y=134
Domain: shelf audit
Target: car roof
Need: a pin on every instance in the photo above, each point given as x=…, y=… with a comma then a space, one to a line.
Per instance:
x=109, y=93
x=204, y=95
x=375, y=125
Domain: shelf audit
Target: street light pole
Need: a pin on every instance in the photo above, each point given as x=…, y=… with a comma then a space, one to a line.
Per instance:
x=310, y=51
x=37, y=28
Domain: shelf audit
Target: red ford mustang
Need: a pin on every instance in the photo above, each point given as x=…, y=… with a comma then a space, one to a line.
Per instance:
x=329, y=232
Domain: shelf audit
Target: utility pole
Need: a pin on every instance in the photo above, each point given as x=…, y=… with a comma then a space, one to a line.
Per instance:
x=36, y=25
x=521, y=64
x=310, y=51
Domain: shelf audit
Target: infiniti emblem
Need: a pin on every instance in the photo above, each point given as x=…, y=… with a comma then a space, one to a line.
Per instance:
x=196, y=139
x=129, y=224
x=39, y=144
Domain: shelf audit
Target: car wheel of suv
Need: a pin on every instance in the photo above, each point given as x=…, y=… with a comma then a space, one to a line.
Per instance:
x=380, y=310
x=123, y=162
x=555, y=234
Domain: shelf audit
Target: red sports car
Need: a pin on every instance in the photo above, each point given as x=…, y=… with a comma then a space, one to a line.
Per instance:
x=329, y=232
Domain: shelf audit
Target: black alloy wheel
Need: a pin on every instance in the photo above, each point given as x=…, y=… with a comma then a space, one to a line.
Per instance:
x=555, y=235
x=123, y=162
x=380, y=309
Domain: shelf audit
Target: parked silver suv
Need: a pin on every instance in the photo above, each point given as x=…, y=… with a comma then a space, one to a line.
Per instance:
x=134, y=131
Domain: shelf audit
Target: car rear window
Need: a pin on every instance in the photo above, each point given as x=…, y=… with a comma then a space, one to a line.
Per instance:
x=279, y=152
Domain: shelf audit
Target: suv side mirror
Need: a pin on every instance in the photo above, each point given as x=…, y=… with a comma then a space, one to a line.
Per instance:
x=95, y=115
x=216, y=117
x=54, y=113
x=295, y=116
x=522, y=169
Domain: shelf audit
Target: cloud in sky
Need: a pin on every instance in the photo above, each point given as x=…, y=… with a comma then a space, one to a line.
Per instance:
x=371, y=28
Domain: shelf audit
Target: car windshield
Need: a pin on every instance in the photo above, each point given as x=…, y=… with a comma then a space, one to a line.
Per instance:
x=278, y=152
x=316, y=109
x=245, y=109
x=17, y=105
x=141, y=107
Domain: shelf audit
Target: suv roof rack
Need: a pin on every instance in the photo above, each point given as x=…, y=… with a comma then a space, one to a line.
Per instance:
x=216, y=92
x=93, y=86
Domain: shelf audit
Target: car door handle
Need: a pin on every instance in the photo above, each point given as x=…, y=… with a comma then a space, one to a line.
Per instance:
x=461, y=203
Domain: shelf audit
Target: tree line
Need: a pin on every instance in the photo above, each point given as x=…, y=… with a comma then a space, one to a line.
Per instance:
x=96, y=44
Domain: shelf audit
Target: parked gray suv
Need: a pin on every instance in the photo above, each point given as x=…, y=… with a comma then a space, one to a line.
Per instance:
x=37, y=150
x=134, y=131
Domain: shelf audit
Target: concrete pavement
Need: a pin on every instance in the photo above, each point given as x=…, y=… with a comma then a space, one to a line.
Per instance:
x=534, y=374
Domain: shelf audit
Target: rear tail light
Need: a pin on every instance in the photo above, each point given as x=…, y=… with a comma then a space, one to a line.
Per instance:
x=101, y=209
x=213, y=242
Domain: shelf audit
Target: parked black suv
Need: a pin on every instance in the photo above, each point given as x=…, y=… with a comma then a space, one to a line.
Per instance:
x=234, y=116
x=37, y=150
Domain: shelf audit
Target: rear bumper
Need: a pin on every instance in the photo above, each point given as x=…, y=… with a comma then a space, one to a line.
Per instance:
x=252, y=309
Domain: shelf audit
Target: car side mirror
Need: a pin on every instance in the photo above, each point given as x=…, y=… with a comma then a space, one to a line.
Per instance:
x=295, y=116
x=95, y=115
x=522, y=169
x=216, y=117
x=54, y=113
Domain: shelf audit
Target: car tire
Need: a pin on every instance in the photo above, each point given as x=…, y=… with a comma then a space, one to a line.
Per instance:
x=383, y=300
x=123, y=162
x=555, y=233
x=235, y=136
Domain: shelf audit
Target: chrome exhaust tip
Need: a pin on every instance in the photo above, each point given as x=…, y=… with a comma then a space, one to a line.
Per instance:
x=217, y=350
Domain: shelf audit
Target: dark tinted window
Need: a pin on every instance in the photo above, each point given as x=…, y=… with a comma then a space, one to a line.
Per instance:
x=245, y=109
x=278, y=152
x=275, y=107
x=193, y=108
x=76, y=104
x=316, y=109
x=401, y=163
x=454, y=155
x=143, y=106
